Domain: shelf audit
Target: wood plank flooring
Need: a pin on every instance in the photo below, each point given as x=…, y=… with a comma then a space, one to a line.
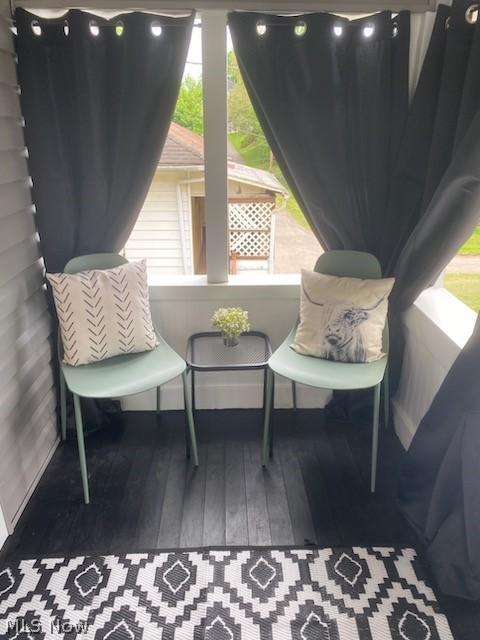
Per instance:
x=146, y=495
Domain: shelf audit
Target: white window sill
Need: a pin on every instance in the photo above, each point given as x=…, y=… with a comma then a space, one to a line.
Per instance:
x=254, y=286
x=437, y=328
x=442, y=321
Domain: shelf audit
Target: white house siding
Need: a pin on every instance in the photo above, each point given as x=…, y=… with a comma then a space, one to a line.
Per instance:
x=186, y=199
x=240, y=189
x=157, y=235
x=28, y=429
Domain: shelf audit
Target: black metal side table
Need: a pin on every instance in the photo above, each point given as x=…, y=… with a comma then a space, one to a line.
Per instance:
x=207, y=352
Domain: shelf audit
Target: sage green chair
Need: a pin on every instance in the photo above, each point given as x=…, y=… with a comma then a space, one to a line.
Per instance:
x=119, y=376
x=327, y=374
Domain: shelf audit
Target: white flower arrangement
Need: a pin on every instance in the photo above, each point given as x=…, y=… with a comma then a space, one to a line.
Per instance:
x=231, y=321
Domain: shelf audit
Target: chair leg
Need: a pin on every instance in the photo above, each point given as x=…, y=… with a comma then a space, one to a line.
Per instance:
x=376, y=412
x=386, y=398
x=268, y=411
x=158, y=400
x=264, y=388
x=294, y=395
x=63, y=406
x=81, y=447
x=188, y=410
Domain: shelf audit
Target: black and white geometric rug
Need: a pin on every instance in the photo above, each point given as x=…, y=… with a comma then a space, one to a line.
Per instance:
x=373, y=593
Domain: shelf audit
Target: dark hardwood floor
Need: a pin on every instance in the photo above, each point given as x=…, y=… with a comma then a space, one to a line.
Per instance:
x=146, y=495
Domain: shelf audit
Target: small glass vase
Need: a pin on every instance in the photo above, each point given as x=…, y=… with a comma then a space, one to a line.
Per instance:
x=230, y=341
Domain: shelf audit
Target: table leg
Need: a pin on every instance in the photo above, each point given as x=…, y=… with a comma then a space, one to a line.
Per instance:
x=187, y=431
x=271, y=418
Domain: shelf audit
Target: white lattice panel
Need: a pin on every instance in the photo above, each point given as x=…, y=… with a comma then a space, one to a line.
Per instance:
x=250, y=226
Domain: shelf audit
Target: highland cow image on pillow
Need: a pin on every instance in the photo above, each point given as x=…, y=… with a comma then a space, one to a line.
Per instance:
x=341, y=318
x=342, y=331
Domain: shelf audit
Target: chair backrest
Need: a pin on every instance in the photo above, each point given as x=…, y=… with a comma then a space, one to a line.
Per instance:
x=94, y=261
x=349, y=264
x=352, y=264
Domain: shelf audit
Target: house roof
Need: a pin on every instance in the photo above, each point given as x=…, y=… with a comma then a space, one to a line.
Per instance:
x=257, y=177
x=184, y=148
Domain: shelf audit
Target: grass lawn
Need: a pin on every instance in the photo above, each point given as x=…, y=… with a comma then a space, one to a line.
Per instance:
x=465, y=286
x=472, y=245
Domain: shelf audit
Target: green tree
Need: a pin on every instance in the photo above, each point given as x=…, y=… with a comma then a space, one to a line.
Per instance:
x=242, y=120
x=189, y=109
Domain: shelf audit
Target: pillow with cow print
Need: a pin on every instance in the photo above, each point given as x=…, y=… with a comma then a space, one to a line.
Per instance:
x=342, y=319
x=103, y=312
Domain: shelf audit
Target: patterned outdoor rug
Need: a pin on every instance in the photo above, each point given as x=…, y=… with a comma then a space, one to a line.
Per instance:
x=374, y=593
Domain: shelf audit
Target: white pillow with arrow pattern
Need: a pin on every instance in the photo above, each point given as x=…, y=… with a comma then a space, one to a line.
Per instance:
x=103, y=313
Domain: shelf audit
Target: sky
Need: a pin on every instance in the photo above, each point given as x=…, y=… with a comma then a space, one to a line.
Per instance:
x=194, y=57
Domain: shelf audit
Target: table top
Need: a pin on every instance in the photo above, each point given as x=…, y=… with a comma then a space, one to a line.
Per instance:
x=206, y=351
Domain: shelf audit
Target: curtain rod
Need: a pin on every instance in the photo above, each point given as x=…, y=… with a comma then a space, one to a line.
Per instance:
x=270, y=6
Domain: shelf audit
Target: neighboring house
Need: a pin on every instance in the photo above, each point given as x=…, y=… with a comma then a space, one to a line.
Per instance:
x=170, y=230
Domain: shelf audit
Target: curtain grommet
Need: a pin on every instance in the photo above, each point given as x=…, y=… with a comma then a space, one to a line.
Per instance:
x=119, y=28
x=94, y=28
x=66, y=28
x=156, y=29
x=368, y=30
x=36, y=28
x=447, y=22
x=300, y=28
x=261, y=28
x=471, y=14
x=338, y=30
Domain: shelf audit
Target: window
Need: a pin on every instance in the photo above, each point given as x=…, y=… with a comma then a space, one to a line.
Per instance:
x=462, y=275
x=254, y=224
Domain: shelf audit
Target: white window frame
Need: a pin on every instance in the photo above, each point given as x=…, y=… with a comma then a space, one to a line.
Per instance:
x=214, y=72
x=215, y=118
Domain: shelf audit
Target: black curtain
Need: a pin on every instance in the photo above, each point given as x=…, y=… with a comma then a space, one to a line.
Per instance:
x=435, y=198
x=440, y=482
x=97, y=97
x=333, y=104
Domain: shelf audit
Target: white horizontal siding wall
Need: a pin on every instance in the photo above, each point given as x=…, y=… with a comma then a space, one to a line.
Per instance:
x=186, y=198
x=160, y=235
x=28, y=430
x=163, y=232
